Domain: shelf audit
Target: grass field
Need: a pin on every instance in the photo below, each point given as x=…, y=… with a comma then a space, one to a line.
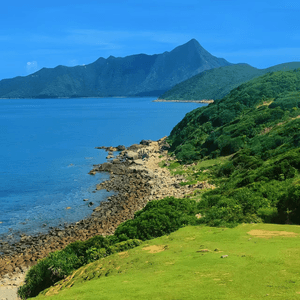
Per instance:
x=262, y=262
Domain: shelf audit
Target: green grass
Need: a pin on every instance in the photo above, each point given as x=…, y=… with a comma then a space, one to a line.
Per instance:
x=255, y=267
x=200, y=171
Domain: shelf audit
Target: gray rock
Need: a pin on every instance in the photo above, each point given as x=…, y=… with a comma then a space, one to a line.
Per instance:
x=121, y=148
x=132, y=155
x=116, y=161
x=145, y=142
x=138, y=161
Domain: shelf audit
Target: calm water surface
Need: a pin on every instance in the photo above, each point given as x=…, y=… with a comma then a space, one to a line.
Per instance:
x=48, y=148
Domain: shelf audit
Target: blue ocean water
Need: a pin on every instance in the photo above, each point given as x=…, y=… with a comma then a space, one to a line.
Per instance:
x=48, y=148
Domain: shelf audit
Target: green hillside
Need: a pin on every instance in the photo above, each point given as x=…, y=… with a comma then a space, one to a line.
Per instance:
x=234, y=122
x=262, y=262
x=256, y=127
x=218, y=82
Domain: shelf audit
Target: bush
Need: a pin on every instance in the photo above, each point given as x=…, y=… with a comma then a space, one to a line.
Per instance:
x=289, y=205
x=159, y=218
x=268, y=214
x=229, y=214
x=47, y=271
x=280, y=171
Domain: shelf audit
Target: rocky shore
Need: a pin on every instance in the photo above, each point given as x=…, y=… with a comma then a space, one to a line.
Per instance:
x=136, y=178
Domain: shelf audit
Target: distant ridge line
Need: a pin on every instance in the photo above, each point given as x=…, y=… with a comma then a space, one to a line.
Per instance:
x=137, y=75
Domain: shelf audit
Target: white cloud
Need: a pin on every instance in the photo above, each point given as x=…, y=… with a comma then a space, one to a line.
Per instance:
x=31, y=67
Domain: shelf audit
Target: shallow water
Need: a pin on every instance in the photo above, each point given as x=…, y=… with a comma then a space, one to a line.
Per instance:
x=48, y=148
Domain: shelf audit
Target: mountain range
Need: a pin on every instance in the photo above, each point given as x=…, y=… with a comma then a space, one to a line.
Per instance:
x=134, y=75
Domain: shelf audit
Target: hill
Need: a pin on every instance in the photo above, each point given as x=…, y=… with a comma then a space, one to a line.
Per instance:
x=187, y=264
x=218, y=82
x=255, y=128
x=135, y=75
x=231, y=123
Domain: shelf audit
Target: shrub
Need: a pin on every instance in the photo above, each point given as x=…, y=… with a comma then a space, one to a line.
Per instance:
x=280, y=171
x=159, y=218
x=268, y=214
x=289, y=205
x=47, y=271
x=228, y=215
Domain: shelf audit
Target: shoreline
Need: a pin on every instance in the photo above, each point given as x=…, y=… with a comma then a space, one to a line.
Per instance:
x=185, y=101
x=95, y=97
x=135, y=176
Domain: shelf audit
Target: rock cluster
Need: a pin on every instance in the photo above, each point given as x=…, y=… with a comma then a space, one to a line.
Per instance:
x=135, y=177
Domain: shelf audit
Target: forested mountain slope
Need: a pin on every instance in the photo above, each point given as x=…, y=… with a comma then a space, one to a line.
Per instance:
x=217, y=83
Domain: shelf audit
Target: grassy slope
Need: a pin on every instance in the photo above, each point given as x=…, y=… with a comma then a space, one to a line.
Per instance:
x=218, y=82
x=254, y=267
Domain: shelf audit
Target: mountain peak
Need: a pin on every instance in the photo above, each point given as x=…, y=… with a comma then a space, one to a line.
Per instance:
x=140, y=74
x=193, y=41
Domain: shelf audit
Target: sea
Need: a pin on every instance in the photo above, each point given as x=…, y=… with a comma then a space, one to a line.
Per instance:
x=47, y=149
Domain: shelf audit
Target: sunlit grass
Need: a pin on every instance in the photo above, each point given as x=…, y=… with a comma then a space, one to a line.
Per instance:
x=190, y=267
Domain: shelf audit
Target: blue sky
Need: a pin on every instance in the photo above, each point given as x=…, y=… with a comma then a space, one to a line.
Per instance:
x=36, y=34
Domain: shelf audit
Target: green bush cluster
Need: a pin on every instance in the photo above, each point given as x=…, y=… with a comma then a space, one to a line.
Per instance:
x=253, y=190
x=159, y=218
x=289, y=204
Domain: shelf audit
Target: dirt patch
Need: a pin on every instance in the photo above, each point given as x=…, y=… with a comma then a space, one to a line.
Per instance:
x=265, y=103
x=155, y=248
x=266, y=130
x=123, y=254
x=269, y=234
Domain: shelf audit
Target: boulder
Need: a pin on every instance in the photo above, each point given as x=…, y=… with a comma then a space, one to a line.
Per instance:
x=118, y=169
x=132, y=155
x=138, y=162
x=135, y=147
x=116, y=161
x=121, y=148
x=145, y=142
